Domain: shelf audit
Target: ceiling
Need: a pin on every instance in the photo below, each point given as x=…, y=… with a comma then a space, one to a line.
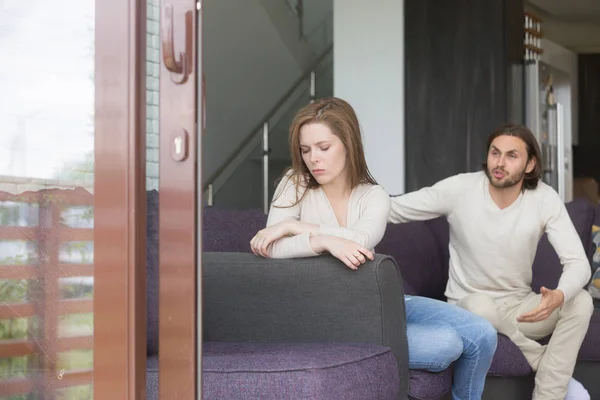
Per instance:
x=571, y=10
x=574, y=24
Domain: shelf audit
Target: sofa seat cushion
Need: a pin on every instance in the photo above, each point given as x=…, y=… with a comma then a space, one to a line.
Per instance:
x=426, y=385
x=508, y=360
x=299, y=371
x=590, y=348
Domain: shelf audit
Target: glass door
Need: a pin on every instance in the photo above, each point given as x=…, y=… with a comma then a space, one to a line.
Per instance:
x=71, y=270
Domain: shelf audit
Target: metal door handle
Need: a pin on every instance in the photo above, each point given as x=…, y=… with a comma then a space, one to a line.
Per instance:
x=176, y=65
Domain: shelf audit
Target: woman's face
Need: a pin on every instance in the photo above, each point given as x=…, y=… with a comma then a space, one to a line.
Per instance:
x=323, y=153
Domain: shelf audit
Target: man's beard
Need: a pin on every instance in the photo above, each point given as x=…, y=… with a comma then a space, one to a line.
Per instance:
x=508, y=180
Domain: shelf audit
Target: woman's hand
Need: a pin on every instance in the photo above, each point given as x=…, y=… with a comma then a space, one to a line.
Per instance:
x=265, y=237
x=350, y=253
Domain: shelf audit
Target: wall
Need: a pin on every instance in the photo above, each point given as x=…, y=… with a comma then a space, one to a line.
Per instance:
x=247, y=67
x=287, y=25
x=564, y=59
x=369, y=74
x=564, y=63
x=249, y=63
x=243, y=189
x=318, y=23
x=460, y=57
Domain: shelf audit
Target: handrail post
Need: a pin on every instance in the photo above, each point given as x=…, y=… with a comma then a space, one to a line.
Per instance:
x=209, y=199
x=266, y=167
x=313, y=86
x=300, y=11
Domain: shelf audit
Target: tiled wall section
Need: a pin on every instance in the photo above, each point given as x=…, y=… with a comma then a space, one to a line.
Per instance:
x=152, y=85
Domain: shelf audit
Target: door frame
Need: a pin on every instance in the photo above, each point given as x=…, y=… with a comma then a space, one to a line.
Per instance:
x=179, y=291
x=120, y=200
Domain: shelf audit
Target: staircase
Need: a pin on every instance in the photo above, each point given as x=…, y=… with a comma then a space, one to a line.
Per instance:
x=245, y=177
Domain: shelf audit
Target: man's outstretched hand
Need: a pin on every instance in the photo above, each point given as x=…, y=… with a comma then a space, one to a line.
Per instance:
x=551, y=300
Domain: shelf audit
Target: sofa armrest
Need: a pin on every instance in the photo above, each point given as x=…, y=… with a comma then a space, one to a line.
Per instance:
x=251, y=299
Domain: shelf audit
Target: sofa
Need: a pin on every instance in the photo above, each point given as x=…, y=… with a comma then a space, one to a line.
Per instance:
x=421, y=251
x=300, y=328
x=288, y=329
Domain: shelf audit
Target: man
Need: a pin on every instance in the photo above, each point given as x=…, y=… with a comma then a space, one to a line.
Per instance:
x=497, y=217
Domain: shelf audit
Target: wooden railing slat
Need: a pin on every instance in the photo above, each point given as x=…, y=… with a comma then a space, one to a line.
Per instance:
x=17, y=310
x=8, y=272
x=17, y=348
x=23, y=310
x=32, y=233
x=17, y=386
x=68, y=197
x=26, y=347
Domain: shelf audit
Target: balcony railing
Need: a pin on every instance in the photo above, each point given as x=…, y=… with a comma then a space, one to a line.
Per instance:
x=51, y=231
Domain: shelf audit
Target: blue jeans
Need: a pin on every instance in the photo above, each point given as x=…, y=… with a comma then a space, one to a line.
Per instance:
x=440, y=334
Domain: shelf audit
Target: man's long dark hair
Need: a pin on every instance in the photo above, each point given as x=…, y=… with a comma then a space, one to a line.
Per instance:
x=533, y=151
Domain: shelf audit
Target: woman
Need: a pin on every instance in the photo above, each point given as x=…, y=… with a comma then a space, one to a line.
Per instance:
x=329, y=202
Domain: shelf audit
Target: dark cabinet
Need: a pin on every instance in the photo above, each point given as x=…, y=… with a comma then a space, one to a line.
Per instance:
x=586, y=155
x=463, y=79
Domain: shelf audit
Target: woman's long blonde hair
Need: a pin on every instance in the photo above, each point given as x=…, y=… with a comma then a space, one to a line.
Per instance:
x=341, y=119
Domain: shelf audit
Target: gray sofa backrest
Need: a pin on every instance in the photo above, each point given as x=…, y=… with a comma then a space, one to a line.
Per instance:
x=247, y=298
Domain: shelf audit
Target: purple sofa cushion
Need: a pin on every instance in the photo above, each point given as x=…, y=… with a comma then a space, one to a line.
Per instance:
x=546, y=266
x=508, y=360
x=420, y=259
x=425, y=385
x=590, y=348
x=299, y=371
x=227, y=230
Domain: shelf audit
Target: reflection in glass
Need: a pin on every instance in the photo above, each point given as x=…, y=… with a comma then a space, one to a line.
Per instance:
x=46, y=199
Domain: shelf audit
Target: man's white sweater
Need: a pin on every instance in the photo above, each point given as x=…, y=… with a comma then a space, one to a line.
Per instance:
x=492, y=249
